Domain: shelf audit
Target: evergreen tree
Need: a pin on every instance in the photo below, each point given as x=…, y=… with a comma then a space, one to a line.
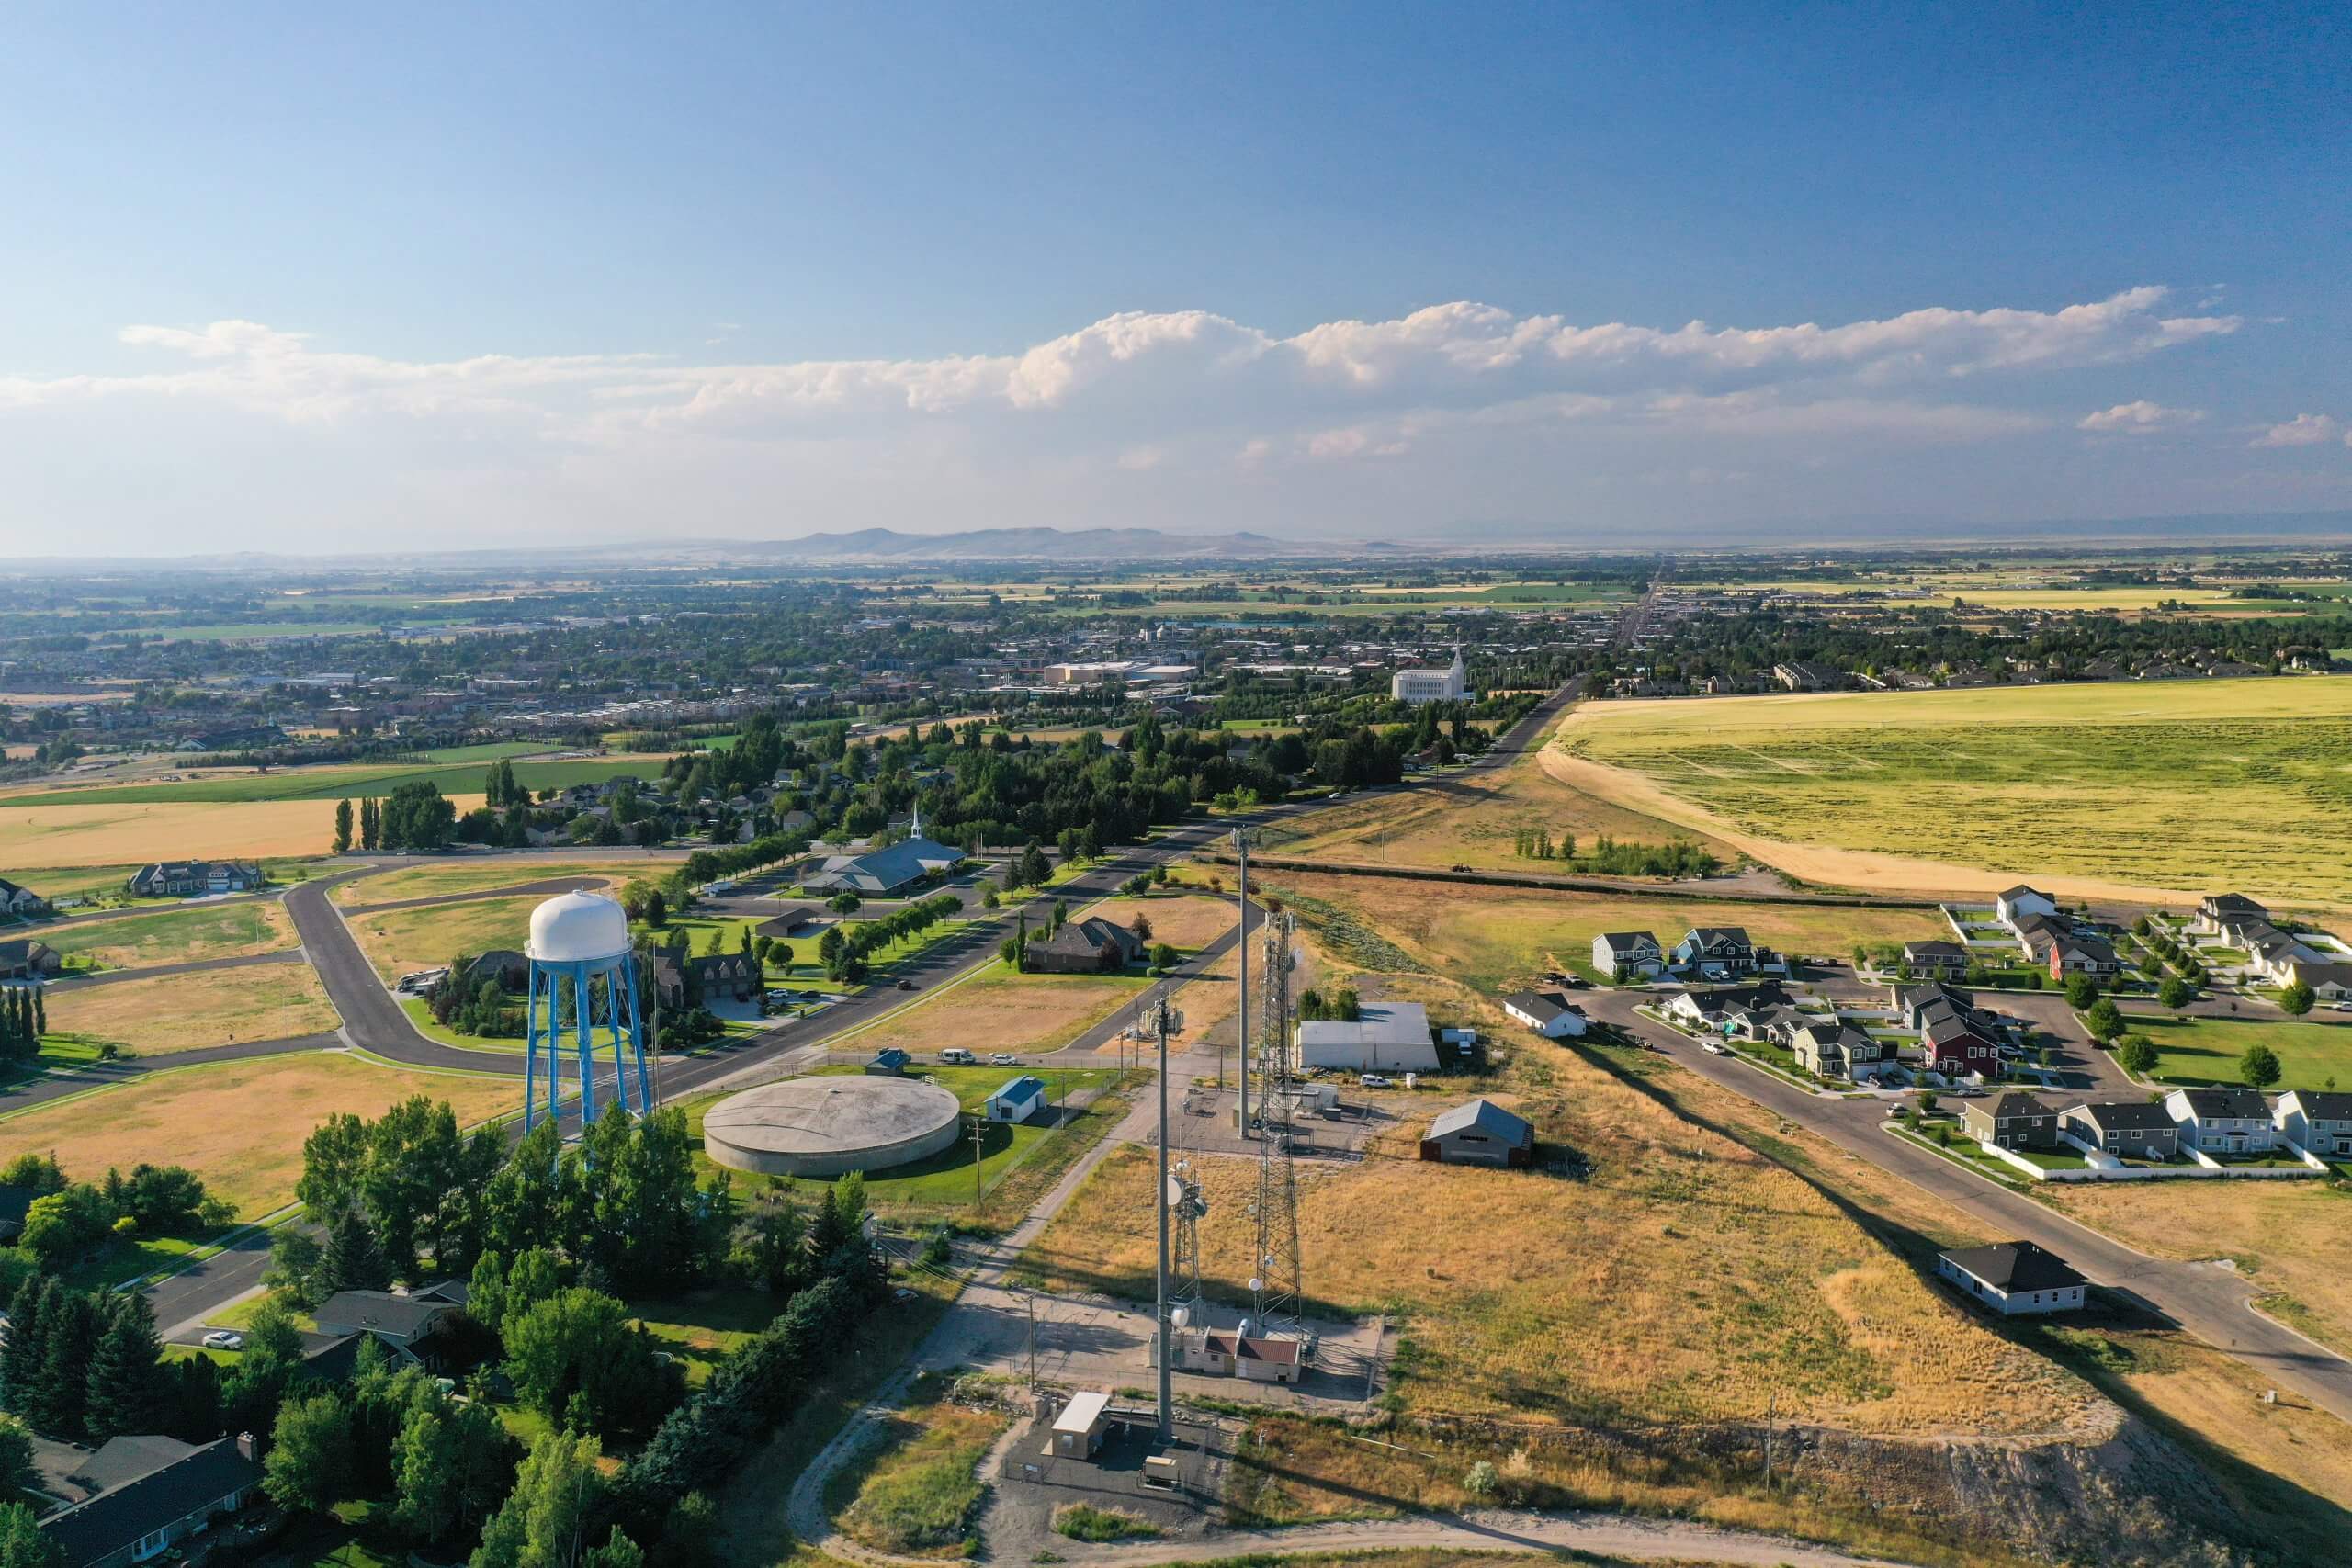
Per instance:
x=342, y=826
x=354, y=1260
x=25, y=1349
x=126, y=1388
x=40, y=1009
x=23, y=1543
x=73, y=1329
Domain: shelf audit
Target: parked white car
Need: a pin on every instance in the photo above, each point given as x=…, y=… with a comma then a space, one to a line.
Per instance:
x=224, y=1339
x=1373, y=1081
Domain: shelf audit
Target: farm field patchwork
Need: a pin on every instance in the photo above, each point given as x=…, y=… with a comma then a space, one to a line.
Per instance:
x=1474, y=819
x=208, y=1119
x=175, y=936
x=188, y=1012
x=2197, y=1051
x=335, y=782
x=2173, y=786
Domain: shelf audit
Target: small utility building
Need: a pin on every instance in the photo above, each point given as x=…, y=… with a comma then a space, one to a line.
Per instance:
x=1078, y=1430
x=2016, y=1279
x=1387, y=1037
x=1480, y=1132
x=1018, y=1100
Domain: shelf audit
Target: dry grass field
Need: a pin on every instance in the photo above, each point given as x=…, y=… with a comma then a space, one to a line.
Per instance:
x=2145, y=790
x=1001, y=1010
x=2293, y=1239
x=177, y=936
x=188, y=1012
x=1498, y=938
x=476, y=876
x=400, y=941
x=93, y=833
x=239, y=1124
x=1473, y=819
x=1681, y=1277
x=1188, y=922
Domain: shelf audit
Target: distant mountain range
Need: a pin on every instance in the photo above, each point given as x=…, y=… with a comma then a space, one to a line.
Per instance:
x=1049, y=544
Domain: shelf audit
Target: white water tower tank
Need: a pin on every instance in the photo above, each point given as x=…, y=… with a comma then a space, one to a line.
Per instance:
x=575, y=928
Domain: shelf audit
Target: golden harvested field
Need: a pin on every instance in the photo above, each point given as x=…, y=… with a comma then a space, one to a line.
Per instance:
x=1502, y=938
x=1474, y=819
x=477, y=876
x=186, y=1013
x=400, y=942
x=2293, y=1239
x=1189, y=921
x=1683, y=1278
x=2141, y=790
x=240, y=1125
x=1001, y=1010
x=134, y=832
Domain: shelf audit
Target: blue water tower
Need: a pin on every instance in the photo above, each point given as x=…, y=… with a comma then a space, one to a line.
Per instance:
x=576, y=939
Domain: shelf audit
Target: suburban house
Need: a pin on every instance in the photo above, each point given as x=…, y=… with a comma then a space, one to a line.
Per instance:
x=510, y=969
x=1480, y=1132
x=714, y=976
x=1800, y=676
x=2315, y=1121
x=21, y=902
x=22, y=958
x=2136, y=1129
x=1715, y=950
x=2082, y=956
x=1090, y=946
x=2018, y=902
x=1386, y=1037
x=1761, y=1011
x=2011, y=1120
x=1954, y=1046
x=1636, y=951
x=194, y=878
x=1835, y=1049
x=408, y=1322
x=884, y=871
x=2037, y=934
x=2014, y=1278
x=160, y=1493
x=1548, y=1013
x=2217, y=911
x=1019, y=1100
x=1935, y=957
x=2222, y=1121
x=2329, y=980
x=1916, y=1004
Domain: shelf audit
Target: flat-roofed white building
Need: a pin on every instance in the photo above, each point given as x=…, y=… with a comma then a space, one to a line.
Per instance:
x=1387, y=1037
x=1450, y=684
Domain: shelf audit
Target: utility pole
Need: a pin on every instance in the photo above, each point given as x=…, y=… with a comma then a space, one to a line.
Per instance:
x=979, y=1196
x=1241, y=1009
x=1165, y=1021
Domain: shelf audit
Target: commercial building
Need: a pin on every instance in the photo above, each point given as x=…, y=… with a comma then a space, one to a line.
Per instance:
x=1387, y=1037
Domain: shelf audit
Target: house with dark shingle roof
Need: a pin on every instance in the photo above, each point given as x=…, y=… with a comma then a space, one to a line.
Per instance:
x=1548, y=1013
x=22, y=958
x=2012, y=1120
x=2015, y=1278
x=2128, y=1129
x=147, y=1515
x=2317, y=1121
x=1935, y=957
x=1715, y=950
x=1089, y=946
x=2222, y=1121
x=1635, y=951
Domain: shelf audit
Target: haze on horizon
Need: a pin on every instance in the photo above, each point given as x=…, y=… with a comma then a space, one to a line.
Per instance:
x=314, y=283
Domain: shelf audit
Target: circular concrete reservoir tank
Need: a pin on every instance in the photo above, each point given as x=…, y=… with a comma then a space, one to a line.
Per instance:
x=830, y=1125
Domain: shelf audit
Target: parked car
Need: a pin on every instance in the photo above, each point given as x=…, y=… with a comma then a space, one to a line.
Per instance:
x=224, y=1339
x=1710, y=1048
x=1373, y=1081
x=1003, y=1059
x=906, y=985
x=957, y=1055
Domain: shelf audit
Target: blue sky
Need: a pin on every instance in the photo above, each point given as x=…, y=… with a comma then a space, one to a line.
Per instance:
x=307, y=280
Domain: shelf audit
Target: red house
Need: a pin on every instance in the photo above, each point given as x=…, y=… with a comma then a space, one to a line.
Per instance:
x=1952, y=1048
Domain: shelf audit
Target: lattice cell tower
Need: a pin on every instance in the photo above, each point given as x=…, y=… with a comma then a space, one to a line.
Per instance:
x=1274, y=1288
x=582, y=972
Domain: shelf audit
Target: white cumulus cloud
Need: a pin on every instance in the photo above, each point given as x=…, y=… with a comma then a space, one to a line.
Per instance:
x=2304, y=430
x=2138, y=418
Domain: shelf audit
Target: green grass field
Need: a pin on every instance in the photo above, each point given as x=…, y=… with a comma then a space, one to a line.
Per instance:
x=173, y=936
x=2199, y=1051
x=336, y=783
x=2179, y=784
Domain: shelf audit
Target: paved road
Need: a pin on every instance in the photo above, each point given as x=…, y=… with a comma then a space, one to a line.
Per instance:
x=2208, y=1301
x=157, y=972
